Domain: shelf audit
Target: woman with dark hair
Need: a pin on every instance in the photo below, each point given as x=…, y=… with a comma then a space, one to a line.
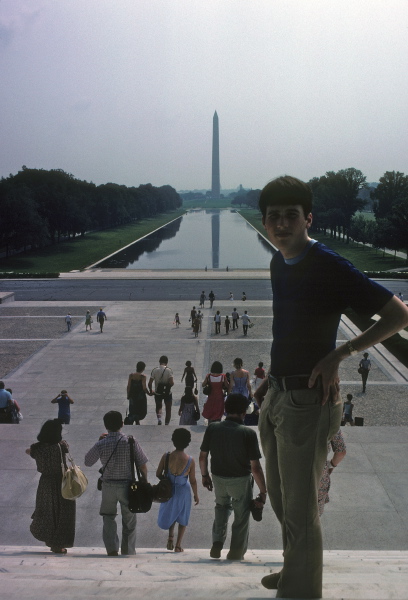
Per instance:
x=190, y=375
x=239, y=381
x=181, y=472
x=136, y=394
x=259, y=375
x=53, y=520
x=214, y=407
x=188, y=405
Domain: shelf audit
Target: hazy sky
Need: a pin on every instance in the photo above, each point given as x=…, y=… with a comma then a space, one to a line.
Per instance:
x=125, y=90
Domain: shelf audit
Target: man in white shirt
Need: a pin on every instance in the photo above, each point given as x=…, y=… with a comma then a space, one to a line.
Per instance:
x=68, y=321
x=245, y=322
x=235, y=317
x=163, y=382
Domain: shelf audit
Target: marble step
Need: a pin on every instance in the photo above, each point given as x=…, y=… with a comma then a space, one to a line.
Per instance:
x=29, y=573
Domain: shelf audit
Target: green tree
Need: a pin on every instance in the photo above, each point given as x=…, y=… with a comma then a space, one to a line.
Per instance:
x=393, y=188
x=399, y=220
x=350, y=182
x=337, y=199
x=21, y=225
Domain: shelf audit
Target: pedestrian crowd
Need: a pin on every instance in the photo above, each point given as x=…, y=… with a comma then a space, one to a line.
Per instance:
x=216, y=385
x=100, y=318
x=229, y=463
x=234, y=453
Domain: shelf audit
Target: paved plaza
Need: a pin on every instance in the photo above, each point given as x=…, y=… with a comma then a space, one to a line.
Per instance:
x=367, y=514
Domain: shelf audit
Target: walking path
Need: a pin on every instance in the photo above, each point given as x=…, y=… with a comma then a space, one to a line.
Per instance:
x=365, y=524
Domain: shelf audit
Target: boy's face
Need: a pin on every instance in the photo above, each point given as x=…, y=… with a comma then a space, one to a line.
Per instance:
x=287, y=228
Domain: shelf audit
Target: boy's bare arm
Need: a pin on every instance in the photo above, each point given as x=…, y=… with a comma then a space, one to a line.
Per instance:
x=393, y=318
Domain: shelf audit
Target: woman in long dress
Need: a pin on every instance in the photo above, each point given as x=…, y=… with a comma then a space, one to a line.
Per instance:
x=88, y=321
x=53, y=520
x=181, y=472
x=213, y=409
x=190, y=375
x=136, y=394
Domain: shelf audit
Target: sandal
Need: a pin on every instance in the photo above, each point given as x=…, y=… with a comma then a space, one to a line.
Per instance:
x=178, y=549
x=170, y=545
x=59, y=550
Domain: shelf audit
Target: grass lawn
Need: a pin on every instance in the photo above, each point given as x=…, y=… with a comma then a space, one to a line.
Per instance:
x=362, y=257
x=370, y=216
x=81, y=252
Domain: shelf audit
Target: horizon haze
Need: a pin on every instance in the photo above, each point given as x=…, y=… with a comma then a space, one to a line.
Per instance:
x=125, y=91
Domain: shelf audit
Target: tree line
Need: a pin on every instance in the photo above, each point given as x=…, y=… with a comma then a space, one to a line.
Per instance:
x=338, y=196
x=40, y=207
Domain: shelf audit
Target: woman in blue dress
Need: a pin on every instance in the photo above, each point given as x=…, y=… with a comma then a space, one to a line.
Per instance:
x=181, y=472
x=239, y=380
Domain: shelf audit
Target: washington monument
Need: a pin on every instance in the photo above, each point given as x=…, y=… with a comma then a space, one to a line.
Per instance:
x=215, y=186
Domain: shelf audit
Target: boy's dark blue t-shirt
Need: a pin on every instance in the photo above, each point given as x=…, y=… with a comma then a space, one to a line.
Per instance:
x=308, y=300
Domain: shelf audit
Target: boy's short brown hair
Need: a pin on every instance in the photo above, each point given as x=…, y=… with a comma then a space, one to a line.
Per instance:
x=286, y=190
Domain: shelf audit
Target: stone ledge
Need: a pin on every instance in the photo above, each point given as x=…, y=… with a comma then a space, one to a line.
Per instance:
x=29, y=573
x=6, y=297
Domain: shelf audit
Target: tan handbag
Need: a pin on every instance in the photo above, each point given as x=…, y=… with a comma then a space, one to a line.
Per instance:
x=74, y=482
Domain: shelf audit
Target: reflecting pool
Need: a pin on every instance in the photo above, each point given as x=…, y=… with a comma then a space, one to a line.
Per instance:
x=215, y=239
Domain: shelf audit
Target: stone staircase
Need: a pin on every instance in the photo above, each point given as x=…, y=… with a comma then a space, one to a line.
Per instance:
x=29, y=573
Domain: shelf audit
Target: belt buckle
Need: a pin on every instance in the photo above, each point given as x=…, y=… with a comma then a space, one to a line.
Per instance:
x=274, y=383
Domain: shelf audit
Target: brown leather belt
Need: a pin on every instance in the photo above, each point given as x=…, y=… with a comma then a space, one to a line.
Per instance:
x=291, y=382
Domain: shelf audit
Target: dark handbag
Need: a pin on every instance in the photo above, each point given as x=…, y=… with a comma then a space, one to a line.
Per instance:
x=161, y=388
x=163, y=491
x=140, y=491
x=360, y=370
x=15, y=417
x=207, y=388
x=196, y=414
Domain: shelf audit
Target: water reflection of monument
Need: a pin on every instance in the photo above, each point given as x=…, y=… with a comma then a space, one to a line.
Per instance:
x=215, y=237
x=210, y=237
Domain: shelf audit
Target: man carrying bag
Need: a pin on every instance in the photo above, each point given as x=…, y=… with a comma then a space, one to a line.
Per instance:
x=113, y=450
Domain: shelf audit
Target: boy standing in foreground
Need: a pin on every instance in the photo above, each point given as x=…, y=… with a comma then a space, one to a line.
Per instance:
x=312, y=286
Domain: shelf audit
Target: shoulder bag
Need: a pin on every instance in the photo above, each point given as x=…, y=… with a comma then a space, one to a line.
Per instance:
x=163, y=491
x=140, y=491
x=207, y=387
x=161, y=389
x=74, y=482
x=102, y=469
x=196, y=414
x=16, y=415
